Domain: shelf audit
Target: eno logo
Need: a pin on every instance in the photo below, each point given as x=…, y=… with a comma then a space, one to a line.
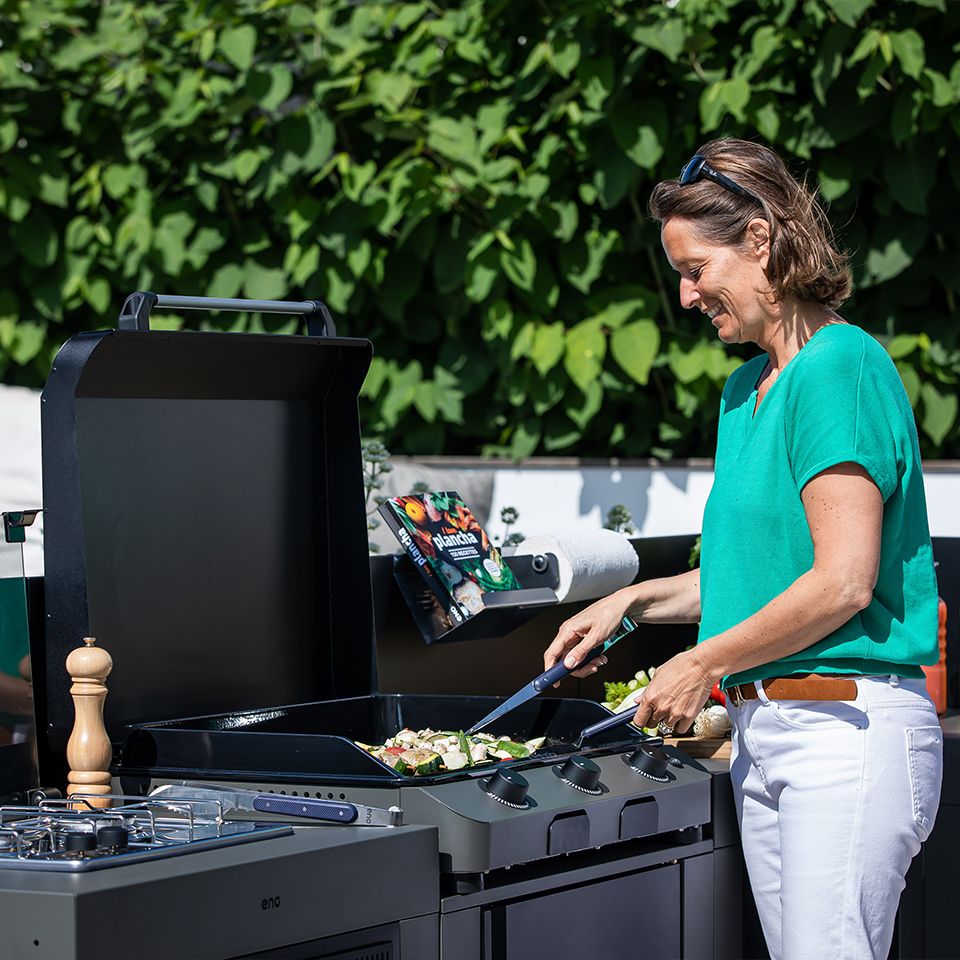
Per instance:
x=270, y=903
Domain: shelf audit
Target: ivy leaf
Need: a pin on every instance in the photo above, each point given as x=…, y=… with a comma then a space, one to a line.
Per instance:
x=226, y=282
x=264, y=283
x=482, y=271
x=939, y=412
x=902, y=345
x=692, y=364
x=388, y=89
x=667, y=37
x=402, y=390
x=581, y=262
x=908, y=49
x=596, y=80
x=549, y=343
x=910, y=175
x=635, y=347
x=448, y=395
x=238, y=45
x=525, y=438
x=640, y=129
x=849, y=11
x=564, y=55
x=280, y=85
x=520, y=265
x=592, y=403
x=585, y=350
x=28, y=342
x=37, y=240
x=911, y=382
x=615, y=175
x=893, y=248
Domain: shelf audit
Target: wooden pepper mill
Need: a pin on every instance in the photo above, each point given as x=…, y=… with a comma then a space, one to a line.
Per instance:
x=88, y=749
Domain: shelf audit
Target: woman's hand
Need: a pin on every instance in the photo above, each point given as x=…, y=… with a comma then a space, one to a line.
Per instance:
x=16, y=696
x=676, y=694
x=588, y=629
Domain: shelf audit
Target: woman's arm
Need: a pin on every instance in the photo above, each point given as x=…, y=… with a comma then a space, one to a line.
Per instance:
x=844, y=510
x=666, y=600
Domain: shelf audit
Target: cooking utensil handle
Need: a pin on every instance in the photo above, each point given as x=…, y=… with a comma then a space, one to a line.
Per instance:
x=617, y=720
x=135, y=313
x=558, y=671
x=306, y=807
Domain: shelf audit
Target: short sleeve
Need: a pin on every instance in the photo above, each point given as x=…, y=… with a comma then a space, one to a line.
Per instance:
x=846, y=405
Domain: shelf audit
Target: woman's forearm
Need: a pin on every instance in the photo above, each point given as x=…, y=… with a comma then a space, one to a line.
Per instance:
x=807, y=611
x=666, y=600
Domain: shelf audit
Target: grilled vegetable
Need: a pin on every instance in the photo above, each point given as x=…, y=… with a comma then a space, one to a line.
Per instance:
x=423, y=752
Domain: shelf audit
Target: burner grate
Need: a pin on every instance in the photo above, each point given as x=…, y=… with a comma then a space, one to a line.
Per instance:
x=75, y=835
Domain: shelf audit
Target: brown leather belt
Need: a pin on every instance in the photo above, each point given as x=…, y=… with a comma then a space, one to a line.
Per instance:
x=809, y=686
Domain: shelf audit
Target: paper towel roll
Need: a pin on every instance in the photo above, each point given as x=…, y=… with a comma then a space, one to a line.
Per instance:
x=593, y=563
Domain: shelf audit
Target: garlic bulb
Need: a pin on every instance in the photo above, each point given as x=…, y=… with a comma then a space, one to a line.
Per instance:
x=711, y=723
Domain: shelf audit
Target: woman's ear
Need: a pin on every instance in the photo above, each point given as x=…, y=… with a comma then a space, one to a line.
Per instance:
x=758, y=241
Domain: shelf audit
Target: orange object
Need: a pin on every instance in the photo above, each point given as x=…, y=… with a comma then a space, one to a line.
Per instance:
x=937, y=674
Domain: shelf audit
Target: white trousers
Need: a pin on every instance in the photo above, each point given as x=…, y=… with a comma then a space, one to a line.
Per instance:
x=834, y=800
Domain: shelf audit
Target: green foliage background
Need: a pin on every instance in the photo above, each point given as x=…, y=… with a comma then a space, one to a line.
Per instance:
x=465, y=184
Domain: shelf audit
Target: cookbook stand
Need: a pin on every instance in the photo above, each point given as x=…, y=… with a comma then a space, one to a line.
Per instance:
x=503, y=610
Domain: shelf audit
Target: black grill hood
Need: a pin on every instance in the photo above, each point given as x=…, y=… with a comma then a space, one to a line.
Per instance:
x=205, y=521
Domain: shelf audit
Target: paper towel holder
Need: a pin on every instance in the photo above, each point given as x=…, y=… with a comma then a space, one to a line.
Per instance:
x=504, y=610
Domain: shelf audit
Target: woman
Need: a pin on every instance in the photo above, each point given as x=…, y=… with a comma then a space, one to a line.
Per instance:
x=816, y=593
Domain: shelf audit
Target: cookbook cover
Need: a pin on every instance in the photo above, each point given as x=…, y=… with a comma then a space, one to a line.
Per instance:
x=450, y=549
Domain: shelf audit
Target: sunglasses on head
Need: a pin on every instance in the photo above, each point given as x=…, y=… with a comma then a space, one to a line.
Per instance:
x=697, y=167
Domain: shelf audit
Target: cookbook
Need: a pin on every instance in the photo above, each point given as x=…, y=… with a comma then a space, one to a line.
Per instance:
x=452, y=552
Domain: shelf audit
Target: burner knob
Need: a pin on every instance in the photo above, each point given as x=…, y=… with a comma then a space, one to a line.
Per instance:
x=649, y=761
x=113, y=838
x=582, y=773
x=508, y=787
x=77, y=840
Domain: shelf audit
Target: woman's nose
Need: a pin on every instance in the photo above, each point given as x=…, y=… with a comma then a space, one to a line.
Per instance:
x=688, y=293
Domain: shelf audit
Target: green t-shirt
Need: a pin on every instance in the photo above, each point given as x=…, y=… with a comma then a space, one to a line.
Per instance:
x=840, y=399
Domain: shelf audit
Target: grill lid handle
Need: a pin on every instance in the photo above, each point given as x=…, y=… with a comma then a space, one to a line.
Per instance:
x=136, y=309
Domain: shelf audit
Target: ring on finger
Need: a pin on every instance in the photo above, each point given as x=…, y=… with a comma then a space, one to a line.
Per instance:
x=665, y=728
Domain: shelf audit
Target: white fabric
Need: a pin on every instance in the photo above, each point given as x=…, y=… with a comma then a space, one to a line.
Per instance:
x=592, y=563
x=834, y=800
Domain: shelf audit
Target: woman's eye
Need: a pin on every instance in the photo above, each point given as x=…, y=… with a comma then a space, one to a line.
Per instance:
x=695, y=273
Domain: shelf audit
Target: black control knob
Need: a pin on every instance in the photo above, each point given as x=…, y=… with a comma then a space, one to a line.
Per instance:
x=507, y=786
x=648, y=761
x=580, y=773
x=77, y=840
x=113, y=838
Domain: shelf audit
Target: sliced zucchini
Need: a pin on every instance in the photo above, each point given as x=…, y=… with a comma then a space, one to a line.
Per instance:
x=422, y=760
x=455, y=760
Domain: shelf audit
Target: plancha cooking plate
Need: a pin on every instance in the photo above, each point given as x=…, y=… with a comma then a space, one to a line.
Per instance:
x=315, y=741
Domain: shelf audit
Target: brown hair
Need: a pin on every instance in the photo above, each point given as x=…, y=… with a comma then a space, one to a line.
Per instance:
x=804, y=262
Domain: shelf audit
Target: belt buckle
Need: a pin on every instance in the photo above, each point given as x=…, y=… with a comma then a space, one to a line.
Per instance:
x=736, y=698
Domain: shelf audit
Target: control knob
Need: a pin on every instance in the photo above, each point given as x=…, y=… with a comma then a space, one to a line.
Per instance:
x=581, y=773
x=113, y=838
x=650, y=762
x=76, y=841
x=508, y=787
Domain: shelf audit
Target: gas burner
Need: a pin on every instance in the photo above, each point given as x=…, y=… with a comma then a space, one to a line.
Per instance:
x=74, y=834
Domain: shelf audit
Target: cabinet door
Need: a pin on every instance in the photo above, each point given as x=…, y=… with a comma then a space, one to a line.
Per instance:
x=632, y=917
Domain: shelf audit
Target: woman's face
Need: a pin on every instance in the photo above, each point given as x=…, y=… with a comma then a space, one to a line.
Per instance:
x=726, y=283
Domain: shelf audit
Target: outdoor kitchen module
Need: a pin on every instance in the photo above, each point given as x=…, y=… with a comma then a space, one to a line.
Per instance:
x=205, y=521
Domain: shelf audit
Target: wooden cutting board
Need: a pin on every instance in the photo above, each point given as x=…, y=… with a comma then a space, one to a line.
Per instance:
x=718, y=749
